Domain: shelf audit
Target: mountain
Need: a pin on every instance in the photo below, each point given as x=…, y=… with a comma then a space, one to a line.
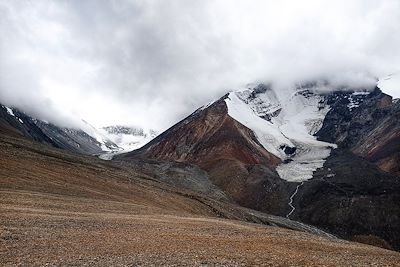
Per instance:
x=175, y=200
x=63, y=208
x=322, y=155
x=87, y=140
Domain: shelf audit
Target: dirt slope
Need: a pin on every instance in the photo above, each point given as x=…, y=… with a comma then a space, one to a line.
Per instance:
x=58, y=208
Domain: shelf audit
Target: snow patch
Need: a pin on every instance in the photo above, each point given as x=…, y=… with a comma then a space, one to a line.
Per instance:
x=355, y=99
x=361, y=93
x=390, y=84
x=353, y=103
x=10, y=111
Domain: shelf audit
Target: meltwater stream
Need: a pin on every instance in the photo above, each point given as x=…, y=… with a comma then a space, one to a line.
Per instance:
x=291, y=200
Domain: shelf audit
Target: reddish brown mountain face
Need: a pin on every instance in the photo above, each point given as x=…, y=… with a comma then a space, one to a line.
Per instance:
x=206, y=137
x=228, y=151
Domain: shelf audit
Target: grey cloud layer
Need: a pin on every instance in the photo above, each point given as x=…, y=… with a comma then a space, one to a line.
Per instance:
x=149, y=63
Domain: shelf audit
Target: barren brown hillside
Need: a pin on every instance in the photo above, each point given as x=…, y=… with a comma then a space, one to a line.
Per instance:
x=59, y=208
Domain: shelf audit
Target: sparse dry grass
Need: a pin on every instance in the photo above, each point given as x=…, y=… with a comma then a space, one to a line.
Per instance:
x=65, y=209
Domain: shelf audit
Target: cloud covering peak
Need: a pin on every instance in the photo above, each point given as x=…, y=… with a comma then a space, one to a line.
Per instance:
x=150, y=63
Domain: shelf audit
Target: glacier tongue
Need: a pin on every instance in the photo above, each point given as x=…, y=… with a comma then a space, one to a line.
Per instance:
x=284, y=122
x=304, y=163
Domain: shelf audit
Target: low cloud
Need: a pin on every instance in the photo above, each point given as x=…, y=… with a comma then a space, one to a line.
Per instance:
x=150, y=63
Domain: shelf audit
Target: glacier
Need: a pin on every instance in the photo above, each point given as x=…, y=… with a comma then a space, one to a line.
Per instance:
x=284, y=122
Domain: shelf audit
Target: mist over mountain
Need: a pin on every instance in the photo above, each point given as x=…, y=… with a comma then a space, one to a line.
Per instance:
x=151, y=63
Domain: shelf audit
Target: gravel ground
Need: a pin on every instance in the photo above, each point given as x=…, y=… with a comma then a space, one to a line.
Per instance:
x=38, y=237
x=60, y=209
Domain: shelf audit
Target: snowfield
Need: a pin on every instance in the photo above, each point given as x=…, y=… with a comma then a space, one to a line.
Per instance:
x=284, y=122
x=129, y=142
x=126, y=138
x=391, y=85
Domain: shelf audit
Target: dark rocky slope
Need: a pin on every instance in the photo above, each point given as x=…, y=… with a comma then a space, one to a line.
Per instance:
x=351, y=197
x=371, y=130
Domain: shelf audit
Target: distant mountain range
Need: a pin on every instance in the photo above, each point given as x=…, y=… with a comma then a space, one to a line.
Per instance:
x=86, y=140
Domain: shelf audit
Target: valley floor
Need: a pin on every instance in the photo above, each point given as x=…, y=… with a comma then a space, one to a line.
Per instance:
x=60, y=209
x=39, y=237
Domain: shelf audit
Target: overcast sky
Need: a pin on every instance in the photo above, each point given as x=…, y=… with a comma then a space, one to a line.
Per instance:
x=150, y=63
